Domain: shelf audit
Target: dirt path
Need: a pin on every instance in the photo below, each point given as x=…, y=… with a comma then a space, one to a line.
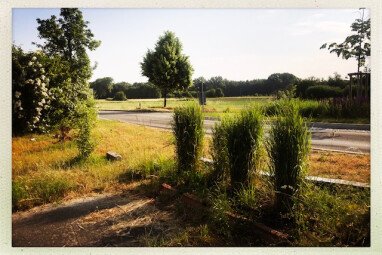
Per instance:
x=124, y=219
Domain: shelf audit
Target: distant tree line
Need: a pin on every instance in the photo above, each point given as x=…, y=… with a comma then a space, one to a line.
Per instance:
x=310, y=88
x=106, y=88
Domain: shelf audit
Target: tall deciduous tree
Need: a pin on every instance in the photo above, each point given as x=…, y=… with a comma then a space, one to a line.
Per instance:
x=166, y=66
x=102, y=87
x=69, y=37
x=66, y=40
x=356, y=45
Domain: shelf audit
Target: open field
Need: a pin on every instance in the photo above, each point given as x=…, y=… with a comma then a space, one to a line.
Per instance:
x=215, y=106
x=220, y=107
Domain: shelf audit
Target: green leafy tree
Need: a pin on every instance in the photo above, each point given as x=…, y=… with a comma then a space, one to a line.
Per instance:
x=356, y=45
x=166, y=66
x=119, y=96
x=69, y=37
x=102, y=87
x=65, y=41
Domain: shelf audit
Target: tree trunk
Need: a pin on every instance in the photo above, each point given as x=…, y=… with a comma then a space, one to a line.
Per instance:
x=165, y=98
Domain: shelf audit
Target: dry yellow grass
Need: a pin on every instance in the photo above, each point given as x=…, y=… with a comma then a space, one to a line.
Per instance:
x=340, y=166
x=36, y=164
x=45, y=170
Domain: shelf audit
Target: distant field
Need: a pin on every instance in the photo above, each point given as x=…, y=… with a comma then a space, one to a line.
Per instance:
x=214, y=105
x=218, y=107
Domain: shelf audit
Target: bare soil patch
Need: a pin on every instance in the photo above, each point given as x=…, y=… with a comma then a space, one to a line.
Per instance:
x=124, y=219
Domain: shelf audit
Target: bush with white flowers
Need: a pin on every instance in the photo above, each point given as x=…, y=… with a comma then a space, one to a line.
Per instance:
x=31, y=96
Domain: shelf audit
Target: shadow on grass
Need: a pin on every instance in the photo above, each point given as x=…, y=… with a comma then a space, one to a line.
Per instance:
x=129, y=176
x=78, y=161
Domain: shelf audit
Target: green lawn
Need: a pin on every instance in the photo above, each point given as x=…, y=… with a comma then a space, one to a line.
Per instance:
x=219, y=107
x=214, y=105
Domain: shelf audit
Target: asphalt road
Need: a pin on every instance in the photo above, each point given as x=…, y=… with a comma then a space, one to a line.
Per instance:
x=323, y=138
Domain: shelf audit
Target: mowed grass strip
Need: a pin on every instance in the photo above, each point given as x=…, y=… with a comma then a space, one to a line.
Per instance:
x=44, y=170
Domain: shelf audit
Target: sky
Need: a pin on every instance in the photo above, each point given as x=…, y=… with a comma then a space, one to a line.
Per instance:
x=237, y=44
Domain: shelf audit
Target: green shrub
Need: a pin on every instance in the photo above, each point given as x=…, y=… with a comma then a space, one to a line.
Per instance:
x=303, y=85
x=312, y=109
x=288, y=148
x=219, y=92
x=358, y=107
x=120, y=96
x=210, y=93
x=323, y=91
x=188, y=131
x=243, y=139
x=86, y=120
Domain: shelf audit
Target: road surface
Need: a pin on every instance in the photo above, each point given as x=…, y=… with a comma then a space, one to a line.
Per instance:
x=345, y=140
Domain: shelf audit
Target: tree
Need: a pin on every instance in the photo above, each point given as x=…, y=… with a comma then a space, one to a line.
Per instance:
x=120, y=86
x=119, y=96
x=69, y=37
x=280, y=81
x=102, y=87
x=66, y=40
x=166, y=66
x=356, y=45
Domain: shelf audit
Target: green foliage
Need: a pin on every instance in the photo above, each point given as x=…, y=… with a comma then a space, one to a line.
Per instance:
x=143, y=90
x=188, y=131
x=356, y=45
x=220, y=205
x=119, y=96
x=335, y=216
x=38, y=190
x=323, y=91
x=66, y=40
x=288, y=147
x=358, y=107
x=87, y=118
x=243, y=140
x=166, y=66
x=280, y=81
x=69, y=37
x=219, y=153
x=30, y=92
x=102, y=87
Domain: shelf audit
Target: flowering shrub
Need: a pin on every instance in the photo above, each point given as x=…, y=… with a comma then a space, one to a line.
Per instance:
x=31, y=97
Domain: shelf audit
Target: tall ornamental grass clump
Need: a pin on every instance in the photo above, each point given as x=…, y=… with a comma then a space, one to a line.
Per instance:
x=188, y=131
x=243, y=140
x=288, y=148
x=219, y=154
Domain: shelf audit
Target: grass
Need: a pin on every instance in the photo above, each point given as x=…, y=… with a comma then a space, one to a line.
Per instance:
x=188, y=132
x=46, y=171
x=229, y=106
x=288, y=148
x=45, y=159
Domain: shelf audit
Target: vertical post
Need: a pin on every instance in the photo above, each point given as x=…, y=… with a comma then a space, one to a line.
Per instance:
x=350, y=90
x=203, y=98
